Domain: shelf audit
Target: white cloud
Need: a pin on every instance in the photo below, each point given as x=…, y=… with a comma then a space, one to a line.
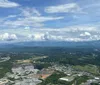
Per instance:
x=85, y=34
x=36, y=36
x=32, y=21
x=27, y=12
x=65, y=8
x=29, y=17
x=7, y=4
x=8, y=37
x=73, y=29
x=44, y=37
x=51, y=34
x=57, y=36
x=27, y=28
x=43, y=19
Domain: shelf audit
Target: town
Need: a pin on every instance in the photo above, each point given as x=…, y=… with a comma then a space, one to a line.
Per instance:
x=33, y=71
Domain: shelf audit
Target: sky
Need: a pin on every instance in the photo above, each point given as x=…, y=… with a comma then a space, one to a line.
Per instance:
x=49, y=20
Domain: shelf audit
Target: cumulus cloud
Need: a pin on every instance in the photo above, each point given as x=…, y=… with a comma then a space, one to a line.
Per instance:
x=8, y=37
x=37, y=36
x=60, y=37
x=57, y=36
x=75, y=33
x=44, y=37
x=7, y=4
x=65, y=8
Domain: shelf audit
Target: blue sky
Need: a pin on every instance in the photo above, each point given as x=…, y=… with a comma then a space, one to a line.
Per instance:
x=54, y=20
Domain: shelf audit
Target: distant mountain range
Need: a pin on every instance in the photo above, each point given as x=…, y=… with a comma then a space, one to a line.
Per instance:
x=51, y=44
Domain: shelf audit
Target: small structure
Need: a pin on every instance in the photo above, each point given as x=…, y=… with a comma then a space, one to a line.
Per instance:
x=96, y=78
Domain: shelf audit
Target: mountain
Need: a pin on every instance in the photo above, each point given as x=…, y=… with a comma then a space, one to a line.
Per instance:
x=45, y=45
x=51, y=44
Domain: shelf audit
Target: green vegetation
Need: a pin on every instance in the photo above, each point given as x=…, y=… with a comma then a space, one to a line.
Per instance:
x=78, y=80
x=53, y=79
x=81, y=59
x=6, y=67
x=40, y=66
x=88, y=68
x=81, y=79
x=95, y=84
